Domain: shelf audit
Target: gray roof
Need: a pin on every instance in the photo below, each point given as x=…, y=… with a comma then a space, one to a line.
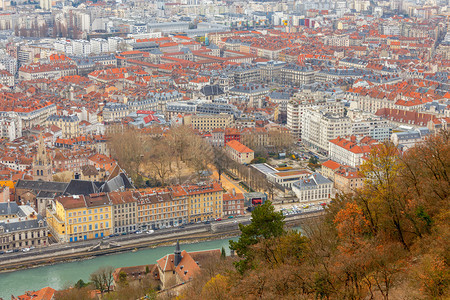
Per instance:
x=280, y=95
x=23, y=224
x=312, y=182
x=48, y=195
x=250, y=88
x=48, y=186
x=156, y=52
x=82, y=187
x=413, y=134
x=8, y=208
x=72, y=118
x=211, y=90
x=118, y=183
x=264, y=168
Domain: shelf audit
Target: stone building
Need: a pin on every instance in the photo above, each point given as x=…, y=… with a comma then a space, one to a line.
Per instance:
x=21, y=227
x=42, y=165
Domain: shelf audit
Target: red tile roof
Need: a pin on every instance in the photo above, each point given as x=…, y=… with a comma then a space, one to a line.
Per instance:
x=239, y=147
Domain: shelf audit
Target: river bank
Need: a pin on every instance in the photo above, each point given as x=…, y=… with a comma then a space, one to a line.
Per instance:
x=55, y=258
x=83, y=251
x=64, y=274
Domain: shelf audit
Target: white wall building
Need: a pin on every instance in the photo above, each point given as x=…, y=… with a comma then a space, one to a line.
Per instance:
x=10, y=125
x=297, y=108
x=410, y=138
x=319, y=127
x=99, y=46
x=314, y=188
x=81, y=47
x=64, y=46
x=350, y=152
x=114, y=42
x=8, y=63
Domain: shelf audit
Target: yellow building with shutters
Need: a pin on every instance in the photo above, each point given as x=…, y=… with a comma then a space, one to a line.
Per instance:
x=75, y=218
x=205, y=202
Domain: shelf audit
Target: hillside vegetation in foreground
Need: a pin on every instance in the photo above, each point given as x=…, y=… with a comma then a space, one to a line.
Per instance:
x=389, y=240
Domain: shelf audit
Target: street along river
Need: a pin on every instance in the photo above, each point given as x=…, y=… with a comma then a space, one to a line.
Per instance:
x=63, y=275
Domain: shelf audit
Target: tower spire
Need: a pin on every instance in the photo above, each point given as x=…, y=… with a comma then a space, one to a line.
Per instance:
x=42, y=165
x=177, y=253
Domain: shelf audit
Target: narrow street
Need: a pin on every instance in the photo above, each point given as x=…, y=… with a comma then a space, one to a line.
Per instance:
x=228, y=183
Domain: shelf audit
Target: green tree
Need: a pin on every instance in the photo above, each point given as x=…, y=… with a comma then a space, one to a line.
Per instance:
x=265, y=223
x=313, y=160
x=123, y=278
x=81, y=284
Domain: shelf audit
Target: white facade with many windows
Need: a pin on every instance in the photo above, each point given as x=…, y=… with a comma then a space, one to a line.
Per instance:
x=315, y=188
x=320, y=126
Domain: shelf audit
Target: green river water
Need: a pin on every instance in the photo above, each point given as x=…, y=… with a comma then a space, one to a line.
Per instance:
x=62, y=275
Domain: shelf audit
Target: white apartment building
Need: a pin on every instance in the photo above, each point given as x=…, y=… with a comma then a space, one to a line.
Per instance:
x=81, y=47
x=64, y=46
x=114, y=42
x=84, y=21
x=6, y=78
x=8, y=63
x=10, y=125
x=99, y=46
x=338, y=40
x=410, y=138
x=350, y=152
x=314, y=188
x=45, y=4
x=320, y=126
x=377, y=128
x=297, y=108
x=367, y=124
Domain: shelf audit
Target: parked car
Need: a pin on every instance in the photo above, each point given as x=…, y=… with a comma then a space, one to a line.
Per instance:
x=138, y=232
x=219, y=219
x=230, y=217
x=9, y=251
x=25, y=249
x=150, y=231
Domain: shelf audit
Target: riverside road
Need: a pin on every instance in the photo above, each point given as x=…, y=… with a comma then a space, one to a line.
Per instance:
x=216, y=229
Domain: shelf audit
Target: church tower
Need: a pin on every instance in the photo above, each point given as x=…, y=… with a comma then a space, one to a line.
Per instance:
x=42, y=165
x=177, y=253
